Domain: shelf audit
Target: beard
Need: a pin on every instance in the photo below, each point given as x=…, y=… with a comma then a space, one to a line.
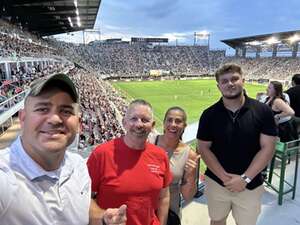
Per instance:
x=140, y=132
x=235, y=96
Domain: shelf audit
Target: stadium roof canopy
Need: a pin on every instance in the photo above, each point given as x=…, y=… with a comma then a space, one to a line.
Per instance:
x=49, y=17
x=264, y=39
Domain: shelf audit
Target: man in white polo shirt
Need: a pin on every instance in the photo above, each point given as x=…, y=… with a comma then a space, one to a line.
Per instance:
x=41, y=182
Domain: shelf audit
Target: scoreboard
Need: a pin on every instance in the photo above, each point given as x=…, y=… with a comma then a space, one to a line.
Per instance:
x=149, y=40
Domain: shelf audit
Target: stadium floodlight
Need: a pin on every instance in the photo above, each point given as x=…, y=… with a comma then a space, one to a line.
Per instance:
x=272, y=40
x=204, y=34
x=294, y=38
x=253, y=43
x=70, y=21
x=78, y=21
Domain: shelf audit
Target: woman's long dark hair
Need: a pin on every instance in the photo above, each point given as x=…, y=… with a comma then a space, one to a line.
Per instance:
x=278, y=89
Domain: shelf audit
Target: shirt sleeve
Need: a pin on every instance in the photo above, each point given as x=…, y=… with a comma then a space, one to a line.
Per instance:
x=268, y=123
x=203, y=132
x=93, y=165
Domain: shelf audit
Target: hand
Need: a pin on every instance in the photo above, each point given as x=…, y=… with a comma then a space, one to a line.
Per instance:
x=236, y=183
x=277, y=118
x=115, y=216
x=191, y=165
x=225, y=177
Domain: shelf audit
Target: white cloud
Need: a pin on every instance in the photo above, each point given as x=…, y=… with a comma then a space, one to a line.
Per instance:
x=179, y=19
x=175, y=36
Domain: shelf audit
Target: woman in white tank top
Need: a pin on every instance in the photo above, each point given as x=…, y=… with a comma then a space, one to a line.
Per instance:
x=183, y=161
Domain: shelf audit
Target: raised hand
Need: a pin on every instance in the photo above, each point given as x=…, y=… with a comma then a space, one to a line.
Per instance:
x=115, y=216
x=191, y=164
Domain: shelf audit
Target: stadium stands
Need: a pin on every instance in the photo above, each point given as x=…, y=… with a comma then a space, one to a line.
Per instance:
x=25, y=57
x=16, y=43
x=100, y=118
x=281, y=68
x=127, y=60
x=136, y=60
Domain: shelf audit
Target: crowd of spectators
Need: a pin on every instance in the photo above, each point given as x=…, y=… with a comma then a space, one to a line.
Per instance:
x=100, y=119
x=125, y=59
x=8, y=27
x=22, y=77
x=281, y=68
x=16, y=43
x=102, y=107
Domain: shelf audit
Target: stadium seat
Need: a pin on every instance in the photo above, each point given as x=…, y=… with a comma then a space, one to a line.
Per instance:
x=282, y=152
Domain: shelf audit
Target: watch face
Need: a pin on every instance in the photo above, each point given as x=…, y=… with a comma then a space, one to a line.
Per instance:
x=246, y=179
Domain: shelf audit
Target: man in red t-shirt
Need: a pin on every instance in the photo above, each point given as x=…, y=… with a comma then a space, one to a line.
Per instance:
x=131, y=171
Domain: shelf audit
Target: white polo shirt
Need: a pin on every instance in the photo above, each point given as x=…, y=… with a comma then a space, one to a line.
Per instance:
x=30, y=195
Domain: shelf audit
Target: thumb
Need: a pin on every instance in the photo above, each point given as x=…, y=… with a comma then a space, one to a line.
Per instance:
x=198, y=157
x=122, y=209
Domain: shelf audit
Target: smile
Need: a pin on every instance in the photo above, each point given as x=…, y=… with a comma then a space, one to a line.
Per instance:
x=52, y=132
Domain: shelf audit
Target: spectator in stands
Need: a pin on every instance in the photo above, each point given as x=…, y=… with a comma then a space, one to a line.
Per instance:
x=282, y=111
x=261, y=96
x=183, y=161
x=52, y=184
x=131, y=171
x=236, y=141
x=101, y=110
x=294, y=94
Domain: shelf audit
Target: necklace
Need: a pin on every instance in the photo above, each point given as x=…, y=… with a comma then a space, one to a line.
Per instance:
x=233, y=115
x=160, y=142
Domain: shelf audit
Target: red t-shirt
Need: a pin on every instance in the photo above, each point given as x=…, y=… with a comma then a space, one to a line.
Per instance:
x=121, y=175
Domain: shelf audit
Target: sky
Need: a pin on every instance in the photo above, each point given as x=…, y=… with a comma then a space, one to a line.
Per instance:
x=179, y=19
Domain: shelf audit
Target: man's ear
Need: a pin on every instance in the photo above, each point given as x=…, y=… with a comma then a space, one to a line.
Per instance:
x=153, y=124
x=21, y=116
x=79, y=124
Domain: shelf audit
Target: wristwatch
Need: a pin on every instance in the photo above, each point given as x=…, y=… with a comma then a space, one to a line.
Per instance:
x=245, y=178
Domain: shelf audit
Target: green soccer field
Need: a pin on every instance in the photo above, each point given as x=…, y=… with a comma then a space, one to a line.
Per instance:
x=192, y=95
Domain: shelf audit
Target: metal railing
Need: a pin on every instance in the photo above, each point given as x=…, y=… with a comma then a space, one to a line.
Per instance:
x=11, y=102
